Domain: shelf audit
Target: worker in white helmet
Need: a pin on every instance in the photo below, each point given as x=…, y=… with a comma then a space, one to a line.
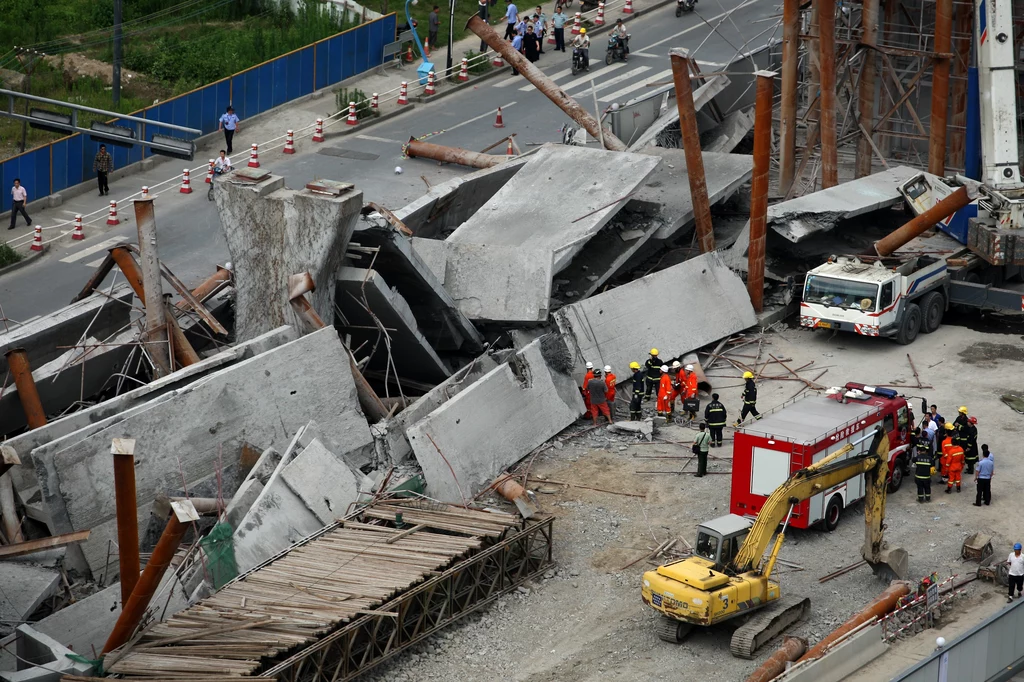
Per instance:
x=609, y=382
x=583, y=389
x=666, y=393
x=688, y=390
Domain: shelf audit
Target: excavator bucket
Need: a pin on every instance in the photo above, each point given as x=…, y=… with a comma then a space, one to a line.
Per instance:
x=891, y=564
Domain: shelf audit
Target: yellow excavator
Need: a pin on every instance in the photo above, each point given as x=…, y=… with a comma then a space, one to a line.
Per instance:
x=728, y=575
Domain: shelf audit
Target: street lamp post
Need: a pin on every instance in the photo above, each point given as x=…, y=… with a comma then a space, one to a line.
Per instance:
x=451, y=35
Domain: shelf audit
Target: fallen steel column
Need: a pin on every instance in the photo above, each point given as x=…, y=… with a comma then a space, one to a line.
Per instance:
x=888, y=244
x=157, y=336
x=208, y=286
x=17, y=362
x=8, y=512
x=548, y=87
x=885, y=603
x=940, y=87
x=463, y=157
x=792, y=648
x=691, y=148
x=866, y=86
x=759, y=187
x=148, y=583
x=827, y=69
x=787, y=105
x=123, y=450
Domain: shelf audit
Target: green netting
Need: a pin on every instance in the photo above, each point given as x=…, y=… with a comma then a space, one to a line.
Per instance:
x=220, y=555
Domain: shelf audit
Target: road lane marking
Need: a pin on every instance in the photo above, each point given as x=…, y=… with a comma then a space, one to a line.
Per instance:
x=85, y=253
x=601, y=72
x=554, y=77
x=492, y=112
x=96, y=263
x=373, y=138
x=702, y=24
x=612, y=81
x=508, y=81
x=620, y=94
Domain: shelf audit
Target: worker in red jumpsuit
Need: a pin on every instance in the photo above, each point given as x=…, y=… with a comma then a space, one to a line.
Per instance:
x=609, y=381
x=688, y=387
x=666, y=394
x=583, y=389
x=944, y=445
x=953, y=463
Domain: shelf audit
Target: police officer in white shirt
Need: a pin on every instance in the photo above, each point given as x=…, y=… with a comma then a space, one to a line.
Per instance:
x=1016, y=562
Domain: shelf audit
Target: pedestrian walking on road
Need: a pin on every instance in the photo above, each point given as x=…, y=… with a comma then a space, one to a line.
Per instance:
x=1016, y=561
x=983, y=479
x=101, y=165
x=598, y=400
x=229, y=124
x=19, y=195
x=483, y=11
x=558, y=26
x=511, y=19
x=433, y=24
x=701, y=445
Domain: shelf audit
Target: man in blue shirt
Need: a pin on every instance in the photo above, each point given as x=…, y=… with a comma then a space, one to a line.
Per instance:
x=229, y=124
x=512, y=18
x=517, y=45
x=983, y=477
x=558, y=23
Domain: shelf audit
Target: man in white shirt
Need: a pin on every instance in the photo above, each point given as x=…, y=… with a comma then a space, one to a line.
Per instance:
x=222, y=164
x=19, y=196
x=1016, y=562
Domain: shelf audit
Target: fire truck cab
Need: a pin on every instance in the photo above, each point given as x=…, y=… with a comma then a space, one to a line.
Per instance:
x=770, y=450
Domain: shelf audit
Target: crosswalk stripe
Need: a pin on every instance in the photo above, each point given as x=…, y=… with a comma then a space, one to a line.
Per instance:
x=620, y=94
x=554, y=77
x=85, y=253
x=601, y=72
x=508, y=81
x=612, y=81
x=96, y=263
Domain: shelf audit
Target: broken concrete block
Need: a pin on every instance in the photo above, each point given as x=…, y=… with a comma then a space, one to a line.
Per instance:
x=42, y=659
x=242, y=501
x=262, y=400
x=466, y=442
x=25, y=587
x=644, y=429
x=552, y=206
x=670, y=114
x=272, y=233
x=324, y=482
x=433, y=253
x=365, y=299
x=354, y=448
x=699, y=301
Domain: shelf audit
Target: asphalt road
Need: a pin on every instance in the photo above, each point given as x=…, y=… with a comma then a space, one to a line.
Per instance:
x=190, y=239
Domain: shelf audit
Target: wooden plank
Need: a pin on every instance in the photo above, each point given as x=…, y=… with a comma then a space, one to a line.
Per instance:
x=30, y=546
x=202, y=634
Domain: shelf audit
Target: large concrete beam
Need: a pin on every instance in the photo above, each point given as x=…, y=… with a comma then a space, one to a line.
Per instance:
x=272, y=233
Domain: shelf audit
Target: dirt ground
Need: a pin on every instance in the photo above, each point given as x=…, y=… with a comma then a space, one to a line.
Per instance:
x=584, y=620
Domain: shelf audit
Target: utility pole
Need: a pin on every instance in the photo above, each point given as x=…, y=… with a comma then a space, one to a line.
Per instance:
x=451, y=35
x=28, y=59
x=117, y=53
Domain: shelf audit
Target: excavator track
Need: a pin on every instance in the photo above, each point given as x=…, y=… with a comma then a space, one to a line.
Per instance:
x=772, y=620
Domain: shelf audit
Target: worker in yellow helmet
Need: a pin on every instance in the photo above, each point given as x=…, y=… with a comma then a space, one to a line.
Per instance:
x=638, y=376
x=653, y=374
x=749, y=398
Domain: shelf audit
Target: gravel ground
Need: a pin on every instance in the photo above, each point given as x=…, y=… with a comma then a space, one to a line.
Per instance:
x=584, y=621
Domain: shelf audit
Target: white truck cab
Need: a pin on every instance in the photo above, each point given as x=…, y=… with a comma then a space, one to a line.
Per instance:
x=891, y=297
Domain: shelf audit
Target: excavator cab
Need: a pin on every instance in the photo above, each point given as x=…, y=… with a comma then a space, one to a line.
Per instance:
x=719, y=540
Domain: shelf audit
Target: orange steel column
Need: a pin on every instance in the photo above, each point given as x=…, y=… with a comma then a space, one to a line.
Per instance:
x=940, y=87
x=827, y=65
x=17, y=361
x=888, y=244
x=866, y=86
x=787, y=104
x=123, y=450
x=691, y=148
x=759, y=188
x=885, y=603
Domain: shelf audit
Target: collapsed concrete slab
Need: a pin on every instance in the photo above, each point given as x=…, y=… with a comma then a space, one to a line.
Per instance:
x=466, y=442
x=530, y=210
x=324, y=481
x=195, y=429
x=42, y=659
x=698, y=301
x=370, y=309
x=272, y=233
x=436, y=312
x=730, y=133
x=25, y=587
x=803, y=217
x=705, y=93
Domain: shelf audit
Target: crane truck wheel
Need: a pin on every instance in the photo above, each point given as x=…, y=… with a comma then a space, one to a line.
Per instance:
x=911, y=325
x=833, y=512
x=932, y=308
x=671, y=630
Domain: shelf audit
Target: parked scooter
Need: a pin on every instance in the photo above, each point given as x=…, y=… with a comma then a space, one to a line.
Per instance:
x=616, y=49
x=684, y=7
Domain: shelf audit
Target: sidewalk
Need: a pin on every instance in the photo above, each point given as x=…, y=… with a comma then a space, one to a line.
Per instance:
x=163, y=176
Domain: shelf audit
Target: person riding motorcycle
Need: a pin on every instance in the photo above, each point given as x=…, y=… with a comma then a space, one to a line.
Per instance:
x=621, y=37
x=582, y=42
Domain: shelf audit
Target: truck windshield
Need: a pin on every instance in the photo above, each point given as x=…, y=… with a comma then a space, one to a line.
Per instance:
x=841, y=293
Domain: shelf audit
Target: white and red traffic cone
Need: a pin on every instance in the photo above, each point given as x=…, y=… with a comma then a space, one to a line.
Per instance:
x=497, y=60
x=352, y=118
x=77, y=233
x=628, y=8
x=510, y=150
x=318, y=132
x=429, y=89
x=464, y=70
x=498, y=122
x=403, y=93
x=37, y=240
x=375, y=101
x=599, y=20
x=145, y=192
x=254, y=156
x=551, y=34
x=209, y=172
x=186, y=183
x=426, y=47
x=112, y=216
x=289, y=143
x=576, y=24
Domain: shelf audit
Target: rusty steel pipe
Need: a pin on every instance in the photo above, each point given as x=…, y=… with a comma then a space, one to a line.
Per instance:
x=126, y=503
x=792, y=648
x=888, y=244
x=885, y=603
x=759, y=187
x=157, y=333
x=940, y=87
x=463, y=157
x=28, y=394
x=548, y=87
x=691, y=148
x=147, y=585
x=787, y=104
x=866, y=86
x=827, y=70
x=208, y=286
x=958, y=98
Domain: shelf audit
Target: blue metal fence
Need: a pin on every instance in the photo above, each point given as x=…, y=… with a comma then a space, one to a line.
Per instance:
x=67, y=162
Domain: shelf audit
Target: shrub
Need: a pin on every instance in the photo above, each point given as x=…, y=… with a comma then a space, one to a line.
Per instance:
x=343, y=96
x=8, y=256
x=480, y=65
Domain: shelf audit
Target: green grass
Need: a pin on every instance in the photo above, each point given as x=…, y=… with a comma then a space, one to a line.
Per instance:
x=8, y=256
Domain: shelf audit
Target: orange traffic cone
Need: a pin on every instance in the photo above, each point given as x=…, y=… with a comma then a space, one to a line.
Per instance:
x=509, y=151
x=408, y=56
x=498, y=123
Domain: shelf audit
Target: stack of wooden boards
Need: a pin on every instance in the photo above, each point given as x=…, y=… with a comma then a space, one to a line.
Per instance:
x=350, y=569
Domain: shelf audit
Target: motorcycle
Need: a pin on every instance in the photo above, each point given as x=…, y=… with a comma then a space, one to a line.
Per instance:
x=684, y=6
x=616, y=49
x=578, y=63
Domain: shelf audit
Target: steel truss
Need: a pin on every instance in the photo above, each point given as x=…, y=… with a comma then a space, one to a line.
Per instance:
x=414, y=615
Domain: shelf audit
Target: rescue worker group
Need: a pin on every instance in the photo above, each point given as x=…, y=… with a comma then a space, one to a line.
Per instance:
x=946, y=448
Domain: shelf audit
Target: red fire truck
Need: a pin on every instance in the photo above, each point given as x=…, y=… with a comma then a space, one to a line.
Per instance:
x=770, y=450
